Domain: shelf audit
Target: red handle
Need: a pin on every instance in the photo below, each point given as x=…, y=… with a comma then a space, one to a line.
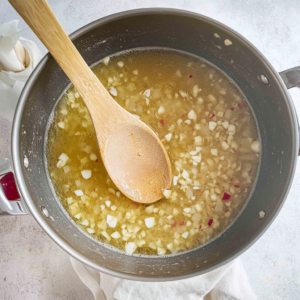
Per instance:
x=9, y=187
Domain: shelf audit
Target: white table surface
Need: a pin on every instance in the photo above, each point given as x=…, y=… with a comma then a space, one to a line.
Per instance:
x=33, y=267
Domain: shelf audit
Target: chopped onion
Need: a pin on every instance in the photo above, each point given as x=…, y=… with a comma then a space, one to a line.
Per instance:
x=208, y=231
x=175, y=179
x=192, y=115
x=147, y=93
x=231, y=129
x=85, y=222
x=63, y=157
x=70, y=200
x=116, y=235
x=255, y=146
x=130, y=247
x=195, y=90
x=112, y=191
x=106, y=60
x=104, y=233
x=149, y=209
x=219, y=207
x=96, y=209
x=185, y=174
x=86, y=174
x=111, y=221
x=161, y=110
x=113, y=91
x=183, y=94
x=226, y=196
x=224, y=145
x=66, y=169
x=185, y=234
x=212, y=125
x=214, y=152
x=228, y=42
x=150, y=222
x=167, y=193
x=79, y=192
x=78, y=216
x=168, y=136
x=91, y=230
x=198, y=140
x=93, y=156
x=197, y=158
x=196, y=217
x=178, y=73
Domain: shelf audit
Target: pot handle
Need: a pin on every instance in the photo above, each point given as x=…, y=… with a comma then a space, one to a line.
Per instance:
x=10, y=200
x=291, y=77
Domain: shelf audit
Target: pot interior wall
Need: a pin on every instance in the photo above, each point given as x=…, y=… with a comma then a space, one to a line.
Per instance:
x=191, y=33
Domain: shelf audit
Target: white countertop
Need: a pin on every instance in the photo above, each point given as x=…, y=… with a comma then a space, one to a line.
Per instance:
x=33, y=267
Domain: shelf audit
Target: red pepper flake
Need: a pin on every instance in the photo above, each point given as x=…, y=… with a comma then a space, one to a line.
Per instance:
x=226, y=209
x=237, y=186
x=210, y=222
x=162, y=122
x=226, y=196
x=186, y=247
x=96, y=160
x=232, y=108
x=254, y=140
x=212, y=116
x=137, y=205
x=174, y=223
x=191, y=76
x=241, y=105
x=182, y=116
x=95, y=189
x=250, y=171
x=200, y=227
x=181, y=223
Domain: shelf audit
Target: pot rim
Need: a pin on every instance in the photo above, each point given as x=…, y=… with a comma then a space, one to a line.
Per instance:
x=37, y=214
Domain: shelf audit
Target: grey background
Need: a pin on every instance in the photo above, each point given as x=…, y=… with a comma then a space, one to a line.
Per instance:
x=33, y=267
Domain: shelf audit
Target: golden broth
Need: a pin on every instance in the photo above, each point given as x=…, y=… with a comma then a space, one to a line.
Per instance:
x=205, y=125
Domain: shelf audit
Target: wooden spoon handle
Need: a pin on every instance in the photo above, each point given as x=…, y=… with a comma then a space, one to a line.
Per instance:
x=41, y=19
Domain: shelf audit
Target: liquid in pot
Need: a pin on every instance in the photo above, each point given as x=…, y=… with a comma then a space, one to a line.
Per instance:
x=205, y=125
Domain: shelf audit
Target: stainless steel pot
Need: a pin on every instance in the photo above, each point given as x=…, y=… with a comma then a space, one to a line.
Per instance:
x=190, y=32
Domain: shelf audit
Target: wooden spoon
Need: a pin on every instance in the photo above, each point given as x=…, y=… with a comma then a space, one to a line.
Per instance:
x=133, y=155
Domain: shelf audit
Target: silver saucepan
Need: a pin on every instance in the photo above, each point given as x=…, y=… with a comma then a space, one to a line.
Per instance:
x=265, y=89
